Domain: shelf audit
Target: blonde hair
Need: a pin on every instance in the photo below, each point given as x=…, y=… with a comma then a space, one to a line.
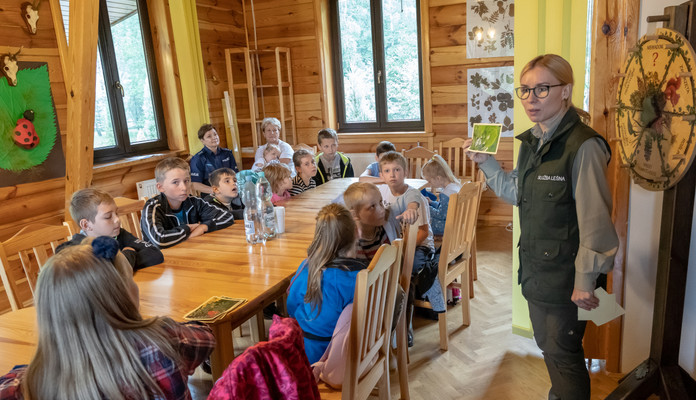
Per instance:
x=334, y=236
x=393, y=157
x=275, y=173
x=85, y=202
x=90, y=331
x=269, y=121
x=437, y=166
x=558, y=67
x=169, y=164
x=354, y=196
x=271, y=147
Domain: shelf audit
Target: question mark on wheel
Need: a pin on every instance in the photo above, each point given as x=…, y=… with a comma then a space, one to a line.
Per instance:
x=654, y=58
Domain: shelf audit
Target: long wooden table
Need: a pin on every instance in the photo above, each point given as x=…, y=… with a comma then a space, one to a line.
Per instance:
x=219, y=263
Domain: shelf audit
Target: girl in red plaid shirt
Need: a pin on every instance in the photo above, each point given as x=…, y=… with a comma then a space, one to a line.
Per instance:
x=93, y=342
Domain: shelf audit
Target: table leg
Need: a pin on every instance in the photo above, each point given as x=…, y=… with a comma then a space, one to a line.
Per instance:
x=223, y=354
x=258, y=328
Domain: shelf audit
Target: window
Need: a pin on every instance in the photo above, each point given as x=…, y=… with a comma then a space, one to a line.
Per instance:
x=377, y=65
x=128, y=112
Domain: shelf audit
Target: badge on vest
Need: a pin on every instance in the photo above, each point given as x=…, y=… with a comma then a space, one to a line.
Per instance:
x=554, y=178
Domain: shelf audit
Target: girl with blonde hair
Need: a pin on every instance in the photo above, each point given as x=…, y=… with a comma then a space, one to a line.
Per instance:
x=94, y=344
x=280, y=179
x=324, y=284
x=439, y=176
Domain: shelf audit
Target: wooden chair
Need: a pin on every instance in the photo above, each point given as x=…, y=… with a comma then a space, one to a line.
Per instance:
x=311, y=149
x=462, y=167
x=416, y=158
x=370, y=328
x=129, y=211
x=24, y=254
x=409, y=243
x=455, y=254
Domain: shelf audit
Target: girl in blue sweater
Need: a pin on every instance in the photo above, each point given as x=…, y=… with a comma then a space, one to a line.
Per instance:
x=324, y=284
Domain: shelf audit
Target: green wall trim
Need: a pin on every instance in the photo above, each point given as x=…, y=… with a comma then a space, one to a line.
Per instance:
x=524, y=332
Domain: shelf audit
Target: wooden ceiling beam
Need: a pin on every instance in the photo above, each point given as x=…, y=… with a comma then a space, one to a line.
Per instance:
x=82, y=59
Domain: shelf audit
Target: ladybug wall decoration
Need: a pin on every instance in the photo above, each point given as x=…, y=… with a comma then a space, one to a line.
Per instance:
x=24, y=132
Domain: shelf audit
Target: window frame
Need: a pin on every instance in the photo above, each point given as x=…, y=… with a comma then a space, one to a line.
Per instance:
x=381, y=109
x=123, y=147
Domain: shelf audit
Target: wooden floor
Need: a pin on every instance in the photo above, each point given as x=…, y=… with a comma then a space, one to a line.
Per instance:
x=485, y=360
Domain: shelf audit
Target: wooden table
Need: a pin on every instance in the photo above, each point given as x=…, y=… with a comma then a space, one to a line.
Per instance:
x=219, y=263
x=18, y=338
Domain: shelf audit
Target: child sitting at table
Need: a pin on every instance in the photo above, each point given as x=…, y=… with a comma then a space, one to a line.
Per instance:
x=93, y=342
x=306, y=169
x=173, y=216
x=324, y=284
x=225, y=192
x=398, y=194
x=377, y=225
x=439, y=176
x=96, y=213
x=331, y=163
x=371, y=173
x=279, y=178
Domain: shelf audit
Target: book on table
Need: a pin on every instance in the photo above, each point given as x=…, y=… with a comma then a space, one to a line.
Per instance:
x=214, y=308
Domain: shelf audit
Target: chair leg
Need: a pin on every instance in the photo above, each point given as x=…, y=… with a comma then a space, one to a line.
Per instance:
x=402, y=356
x=473, y=259
x=383, y=384
x=442, y=319
x=466, y=309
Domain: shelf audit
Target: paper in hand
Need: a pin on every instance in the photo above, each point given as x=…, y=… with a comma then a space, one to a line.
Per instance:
x=608, y=309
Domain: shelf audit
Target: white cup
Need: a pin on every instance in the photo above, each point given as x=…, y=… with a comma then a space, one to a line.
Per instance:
x=280, y=219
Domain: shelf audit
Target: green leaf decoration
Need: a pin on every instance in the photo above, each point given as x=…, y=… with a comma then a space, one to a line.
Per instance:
x=33, y=92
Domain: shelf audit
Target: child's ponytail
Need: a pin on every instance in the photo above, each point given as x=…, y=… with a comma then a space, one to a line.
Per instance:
x=437, y=166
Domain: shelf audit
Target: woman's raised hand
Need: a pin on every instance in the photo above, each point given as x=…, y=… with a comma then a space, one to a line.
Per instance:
x=476, y=157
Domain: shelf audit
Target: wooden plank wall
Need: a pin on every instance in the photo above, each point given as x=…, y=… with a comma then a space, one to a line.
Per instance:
x=221, y=26
x=43, y=202
x=448, y=70
x=296, y=24
x=292, y=24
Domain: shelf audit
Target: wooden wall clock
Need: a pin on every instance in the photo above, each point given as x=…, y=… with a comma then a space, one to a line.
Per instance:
x=656, y=109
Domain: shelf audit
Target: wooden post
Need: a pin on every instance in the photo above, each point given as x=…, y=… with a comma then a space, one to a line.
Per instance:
x=82, y=58
x=614, y=30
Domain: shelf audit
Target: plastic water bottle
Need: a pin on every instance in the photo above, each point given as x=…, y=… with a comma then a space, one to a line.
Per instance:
x=266, y=210
x=250, y=213
x=253, y=226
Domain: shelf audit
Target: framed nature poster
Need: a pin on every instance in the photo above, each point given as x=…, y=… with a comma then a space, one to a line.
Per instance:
x=490, y=28
x=490, y=97
x=31, y=147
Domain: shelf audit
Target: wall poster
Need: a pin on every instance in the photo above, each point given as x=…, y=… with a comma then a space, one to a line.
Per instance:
x=490, y=28
x=30, y=149
x=490, y=97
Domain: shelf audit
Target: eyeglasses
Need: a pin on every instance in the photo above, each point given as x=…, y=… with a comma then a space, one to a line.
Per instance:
x=540, y=91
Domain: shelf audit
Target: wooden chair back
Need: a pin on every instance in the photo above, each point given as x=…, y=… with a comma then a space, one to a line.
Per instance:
x=311, y=149
x=416, y=158
x=370, y=328
x=23, y=255
x=462, y=167
x=129, y=211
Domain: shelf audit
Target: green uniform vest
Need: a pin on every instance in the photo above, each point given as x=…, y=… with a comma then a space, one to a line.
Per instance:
x=549, y=237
